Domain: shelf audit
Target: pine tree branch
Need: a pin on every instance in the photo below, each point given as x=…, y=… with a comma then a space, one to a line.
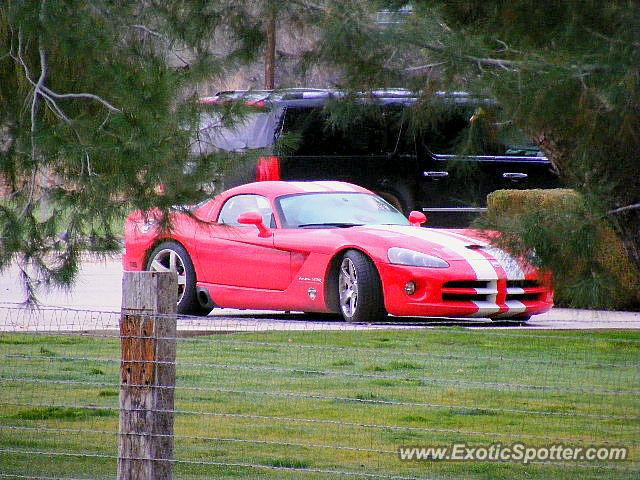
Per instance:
x=615, y=211
x=611, y=40
x=150, y=32
x=162, y=37
x=424, y=67
x=480, y=61
x=34, y=113
x=89, y=96
x=49, y=94
x=40, y=90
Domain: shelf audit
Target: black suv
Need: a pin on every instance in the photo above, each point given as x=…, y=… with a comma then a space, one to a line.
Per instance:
x=442, y=157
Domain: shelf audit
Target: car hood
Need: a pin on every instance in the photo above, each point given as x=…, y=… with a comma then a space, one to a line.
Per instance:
x=471, y=246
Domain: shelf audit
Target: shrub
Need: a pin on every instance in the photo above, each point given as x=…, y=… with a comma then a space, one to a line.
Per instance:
x=590, y=266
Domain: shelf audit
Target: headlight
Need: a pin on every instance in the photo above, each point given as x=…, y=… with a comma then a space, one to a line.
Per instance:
x=404, y=256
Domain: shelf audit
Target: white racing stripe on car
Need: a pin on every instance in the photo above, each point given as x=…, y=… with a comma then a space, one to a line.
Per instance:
x=514, y=307
x=509, y=264
x=515, y=291
x=324, y=186
x=487, y=291
x=478, y=262
x=311, y=187
x=333, y=185
x=485, y=309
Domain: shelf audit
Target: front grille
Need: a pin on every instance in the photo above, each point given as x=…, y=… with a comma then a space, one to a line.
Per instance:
x=522, y=283
x=466, y=284
x=464, y=297
x=469, y=290
x=524, y=290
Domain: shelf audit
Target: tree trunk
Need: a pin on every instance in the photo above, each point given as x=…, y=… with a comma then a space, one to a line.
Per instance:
x=270, y=54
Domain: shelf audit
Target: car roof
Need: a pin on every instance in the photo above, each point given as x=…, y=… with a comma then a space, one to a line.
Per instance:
x=310, y=97
x=273, y=189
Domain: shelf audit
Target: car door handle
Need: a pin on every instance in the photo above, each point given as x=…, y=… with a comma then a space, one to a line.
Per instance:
x=437, y=174
x=514, y=175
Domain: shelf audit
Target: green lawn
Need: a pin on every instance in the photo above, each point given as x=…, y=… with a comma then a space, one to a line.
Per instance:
x=344, y=402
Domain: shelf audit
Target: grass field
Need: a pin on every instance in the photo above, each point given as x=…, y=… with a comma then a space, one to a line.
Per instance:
x=328, y=402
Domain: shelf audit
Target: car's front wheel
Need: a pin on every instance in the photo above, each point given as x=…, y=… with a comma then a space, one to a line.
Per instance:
x=172, y=257
x=359, y=289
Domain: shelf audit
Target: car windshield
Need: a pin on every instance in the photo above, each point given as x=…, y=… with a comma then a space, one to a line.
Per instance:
x=335, y=210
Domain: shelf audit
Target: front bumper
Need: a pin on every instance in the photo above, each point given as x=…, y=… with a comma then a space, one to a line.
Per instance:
x=448, y=293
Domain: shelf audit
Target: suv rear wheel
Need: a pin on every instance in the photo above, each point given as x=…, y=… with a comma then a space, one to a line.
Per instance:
x=398, y=195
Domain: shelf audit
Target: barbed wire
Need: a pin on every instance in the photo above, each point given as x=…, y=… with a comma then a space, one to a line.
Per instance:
x=598, y=389
x=367, y=351
x=323, y=398
x=342, y=473
x=39, y=477
x=241, y=324
x=276, y=419
x=377, y=351
x=193, y=336
x=177, y=436
x=288, y=469
x=399, y=321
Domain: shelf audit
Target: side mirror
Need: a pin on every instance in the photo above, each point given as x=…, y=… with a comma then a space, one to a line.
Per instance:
x=254, y=218
x=417, y=218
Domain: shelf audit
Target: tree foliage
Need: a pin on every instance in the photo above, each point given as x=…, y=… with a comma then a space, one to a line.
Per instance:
x=99, y=107
x=567, y=73
x=99, y=100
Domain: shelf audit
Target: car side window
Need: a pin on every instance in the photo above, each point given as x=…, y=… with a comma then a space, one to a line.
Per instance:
x=235, y=206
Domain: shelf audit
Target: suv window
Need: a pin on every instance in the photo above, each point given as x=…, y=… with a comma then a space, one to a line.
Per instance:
x=473, y=130
x=255, y=130
x=372, y=130
x=236, y=206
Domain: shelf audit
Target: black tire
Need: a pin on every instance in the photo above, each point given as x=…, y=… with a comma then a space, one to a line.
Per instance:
x=392, y=199
x=397, y=194
x=369, y=300
x=187, y=296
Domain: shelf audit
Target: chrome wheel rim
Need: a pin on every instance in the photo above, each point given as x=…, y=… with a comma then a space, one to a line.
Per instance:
x=348, y=287
x=168, y=260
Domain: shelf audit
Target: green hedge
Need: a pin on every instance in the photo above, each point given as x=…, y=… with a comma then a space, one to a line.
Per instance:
x=591, y=268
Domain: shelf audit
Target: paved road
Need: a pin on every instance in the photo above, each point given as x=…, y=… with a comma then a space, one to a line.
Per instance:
x=93, y=303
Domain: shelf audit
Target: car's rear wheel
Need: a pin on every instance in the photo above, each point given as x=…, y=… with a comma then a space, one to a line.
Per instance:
x=359, y=289
x=172, y=257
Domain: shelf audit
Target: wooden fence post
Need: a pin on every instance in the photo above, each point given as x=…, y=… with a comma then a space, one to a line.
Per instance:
x=148, y=341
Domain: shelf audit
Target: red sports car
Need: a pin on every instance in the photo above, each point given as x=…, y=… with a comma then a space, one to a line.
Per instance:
x=330, y=247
